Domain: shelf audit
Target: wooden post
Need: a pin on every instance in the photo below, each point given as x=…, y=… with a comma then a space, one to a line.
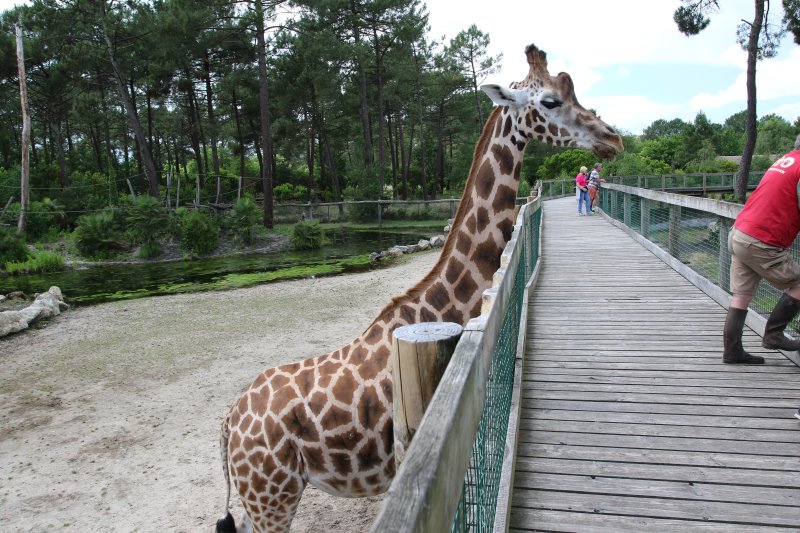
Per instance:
x=24, y=200
x=674, y=230
x=724, y=257
x=420, y=353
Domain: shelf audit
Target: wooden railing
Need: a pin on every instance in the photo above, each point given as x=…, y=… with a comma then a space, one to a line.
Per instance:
x=428, y=492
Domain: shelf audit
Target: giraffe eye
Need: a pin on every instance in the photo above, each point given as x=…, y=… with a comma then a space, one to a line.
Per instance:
x=551, y=103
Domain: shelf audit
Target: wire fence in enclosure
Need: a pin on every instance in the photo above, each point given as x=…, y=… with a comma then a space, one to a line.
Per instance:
x=450, y=477
x=478, y=505
x=692, y=230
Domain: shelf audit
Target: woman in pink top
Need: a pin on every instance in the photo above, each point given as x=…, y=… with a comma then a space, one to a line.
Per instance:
x=583, y=192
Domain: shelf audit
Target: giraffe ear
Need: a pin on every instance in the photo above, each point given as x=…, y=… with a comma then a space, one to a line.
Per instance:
x=506, y=97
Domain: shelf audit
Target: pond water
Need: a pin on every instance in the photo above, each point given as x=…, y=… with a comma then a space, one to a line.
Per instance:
x=348, y=251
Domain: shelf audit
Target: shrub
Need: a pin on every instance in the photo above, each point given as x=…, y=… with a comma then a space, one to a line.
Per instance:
x=198, y=233
x=44, y=219
x=307, y=235
x=245, y=218
x=96, y=235
x=146, y=220
x=524, y=188
x=12, y=246
x=283, y=192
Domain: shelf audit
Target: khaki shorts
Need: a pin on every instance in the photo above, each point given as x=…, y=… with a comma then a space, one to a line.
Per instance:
x=752, y=260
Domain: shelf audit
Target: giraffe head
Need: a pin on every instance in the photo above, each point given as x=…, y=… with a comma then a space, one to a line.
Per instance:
x=547, y=110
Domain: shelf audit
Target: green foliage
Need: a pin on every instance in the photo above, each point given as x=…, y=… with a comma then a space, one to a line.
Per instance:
x=524, y=189
x=97, y=236
x=760, y=163
x=245, y=219
x=198, y=233
x=43, y=220
x=146, y=219
x=150, y=250
x=42, y=262
x=12, y=246
x=565, y=164
x=775, y=136
x=627, y=164
x=307, y=235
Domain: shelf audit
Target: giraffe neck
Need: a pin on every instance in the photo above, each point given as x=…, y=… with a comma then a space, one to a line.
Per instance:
x=483, y=224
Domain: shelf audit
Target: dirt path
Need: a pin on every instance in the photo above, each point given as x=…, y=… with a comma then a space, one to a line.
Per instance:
x=110, y=414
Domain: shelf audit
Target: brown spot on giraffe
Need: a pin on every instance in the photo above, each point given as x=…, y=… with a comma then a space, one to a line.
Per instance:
x=328, y=420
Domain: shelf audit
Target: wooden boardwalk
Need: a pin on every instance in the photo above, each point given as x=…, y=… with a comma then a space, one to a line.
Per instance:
x=629, y=419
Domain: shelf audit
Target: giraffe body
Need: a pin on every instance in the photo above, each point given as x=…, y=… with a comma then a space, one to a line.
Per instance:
x=327, y=420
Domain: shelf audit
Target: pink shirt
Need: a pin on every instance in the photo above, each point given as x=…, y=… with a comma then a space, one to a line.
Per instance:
x=580, y=180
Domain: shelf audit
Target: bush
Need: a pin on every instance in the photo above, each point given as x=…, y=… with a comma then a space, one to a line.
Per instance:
x=307, y=235
x=245, y=218
x=44, y=220
x=524, y=188
x=198, y=233
x=96, y=235
x=12, y=246
x=146, y=220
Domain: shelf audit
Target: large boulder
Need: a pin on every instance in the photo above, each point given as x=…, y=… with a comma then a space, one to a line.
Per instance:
x=46, y=305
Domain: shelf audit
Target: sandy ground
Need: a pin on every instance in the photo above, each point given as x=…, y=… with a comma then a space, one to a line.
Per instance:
x=110, y=414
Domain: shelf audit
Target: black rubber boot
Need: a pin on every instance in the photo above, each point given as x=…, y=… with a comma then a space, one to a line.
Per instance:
x=774, y=339
x=732, y=339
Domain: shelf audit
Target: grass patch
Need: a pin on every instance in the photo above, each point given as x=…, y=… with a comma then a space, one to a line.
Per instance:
x=42, y=262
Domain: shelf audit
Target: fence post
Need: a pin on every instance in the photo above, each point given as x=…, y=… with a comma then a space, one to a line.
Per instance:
x=724, y=256
x=645, y=215
x=420, y=353
x=626, y=209
x=613, y=212
x=674, y=230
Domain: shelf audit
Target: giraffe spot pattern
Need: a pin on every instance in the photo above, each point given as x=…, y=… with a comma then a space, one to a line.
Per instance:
x=504, y=199
x=370, y=409
x=453, y=270
x=540, y=129
x=344, y=387
x=553, y=129
x=317, y=402
x=408, y=314
x=437, y=296
x=342, y=463
x=483, y=219
x=487, y=258
x=465, y=288
x=368, y=456
x=426, y=315
x=300, y=425
x=507, y=126
x=484, y=182
x=305, y=381
x=471, y=223
x=347, y=439
x=504, y=158
x=335, y=417
x=463, y=243
x=373, y=366
x=314, y=457
x=506, y=227
x=453, y=315
x=375, y=334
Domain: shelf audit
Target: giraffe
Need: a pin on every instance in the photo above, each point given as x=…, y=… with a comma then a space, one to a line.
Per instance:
x=327, y=420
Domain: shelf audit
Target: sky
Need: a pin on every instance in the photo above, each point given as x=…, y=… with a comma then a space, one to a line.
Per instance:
x=628, y=60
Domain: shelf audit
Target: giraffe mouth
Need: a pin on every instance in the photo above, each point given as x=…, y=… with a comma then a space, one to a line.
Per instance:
x=606, y=150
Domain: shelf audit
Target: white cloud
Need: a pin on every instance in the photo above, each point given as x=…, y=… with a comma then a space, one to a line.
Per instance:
x=633, y=113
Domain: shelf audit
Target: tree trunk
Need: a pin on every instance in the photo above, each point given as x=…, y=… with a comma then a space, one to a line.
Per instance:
x=310, y=154
x=62, y=159
x=423, y=174
x=362, y=91
x=392, y=154
x=752, y=119
x=24, y=200
x=263, y=99
x=337, y=188
x=195, y=135
x=212, y=124
x=144, y=150
x=239, y=136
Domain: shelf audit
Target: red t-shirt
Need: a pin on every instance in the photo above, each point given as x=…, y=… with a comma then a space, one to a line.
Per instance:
x=580, y=179
x=771, y=213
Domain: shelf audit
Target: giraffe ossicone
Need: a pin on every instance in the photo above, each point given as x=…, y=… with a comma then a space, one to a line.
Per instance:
x=327, y=420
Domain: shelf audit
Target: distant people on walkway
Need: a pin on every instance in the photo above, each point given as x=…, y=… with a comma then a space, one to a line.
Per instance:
x=582, y=184
x=594, y=185
x=758, y=243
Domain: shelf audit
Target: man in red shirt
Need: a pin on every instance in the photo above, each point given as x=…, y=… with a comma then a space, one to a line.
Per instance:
x=759, y=242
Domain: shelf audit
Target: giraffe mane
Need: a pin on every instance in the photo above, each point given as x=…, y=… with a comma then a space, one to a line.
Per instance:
x=461, y=213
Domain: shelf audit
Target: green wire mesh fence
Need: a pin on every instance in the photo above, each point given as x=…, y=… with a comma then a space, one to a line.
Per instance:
x=696, y=237
x=477, y=508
